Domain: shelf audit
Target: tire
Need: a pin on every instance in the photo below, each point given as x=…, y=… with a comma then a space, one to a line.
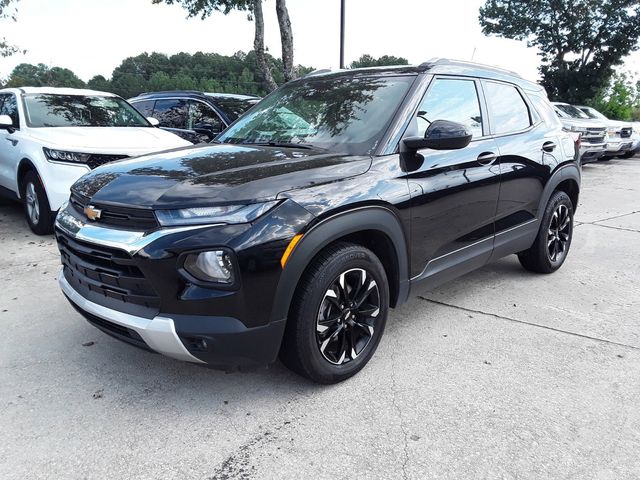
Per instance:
x=605, y=159
x=551, y=247
x=627, y=155
x=36, y=205
x=323, y=341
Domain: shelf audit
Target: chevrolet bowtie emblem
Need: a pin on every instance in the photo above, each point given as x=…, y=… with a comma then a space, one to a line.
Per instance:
x=92, y=212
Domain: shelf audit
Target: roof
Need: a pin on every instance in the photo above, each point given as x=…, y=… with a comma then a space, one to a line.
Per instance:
x=64, y=91
x=439, y=66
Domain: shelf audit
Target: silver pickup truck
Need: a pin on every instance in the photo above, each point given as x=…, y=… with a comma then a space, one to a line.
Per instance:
x=619, y=134
x=593, y=132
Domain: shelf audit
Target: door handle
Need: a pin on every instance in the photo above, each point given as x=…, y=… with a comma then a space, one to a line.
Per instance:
x=486, y=158
x=548, y=147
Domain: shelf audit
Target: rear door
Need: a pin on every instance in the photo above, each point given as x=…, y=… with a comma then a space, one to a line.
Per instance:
x=454, y=192
x=526, y=157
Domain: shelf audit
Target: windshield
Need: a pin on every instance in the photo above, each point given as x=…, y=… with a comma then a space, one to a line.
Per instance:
x=234, y=107
x=53, y=110
x=593, y=113
x=571, y=111
x=343, y=114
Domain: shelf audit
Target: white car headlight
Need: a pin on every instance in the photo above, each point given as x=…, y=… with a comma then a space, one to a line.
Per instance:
x=222, y=214
x=573, y=128
x=65, y=156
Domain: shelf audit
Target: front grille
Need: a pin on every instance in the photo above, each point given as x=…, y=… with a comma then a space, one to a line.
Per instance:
x=107, y=276
x=625, y=132
x=588, y=139
x=95, y=160
x=131, y=218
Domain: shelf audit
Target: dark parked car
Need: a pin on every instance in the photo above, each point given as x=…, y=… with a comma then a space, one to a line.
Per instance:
x=333, y=200
x=195, y=116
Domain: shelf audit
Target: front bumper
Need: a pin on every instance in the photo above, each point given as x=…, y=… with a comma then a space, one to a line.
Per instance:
x=108, y=270
x=158, y=334
x=591, y=152
x=617, y=147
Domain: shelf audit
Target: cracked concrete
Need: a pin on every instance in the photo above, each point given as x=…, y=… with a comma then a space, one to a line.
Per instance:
x=500, y=374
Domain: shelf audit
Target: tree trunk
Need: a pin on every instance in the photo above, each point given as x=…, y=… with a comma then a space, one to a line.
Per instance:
x=258, y=46
x=286, y=37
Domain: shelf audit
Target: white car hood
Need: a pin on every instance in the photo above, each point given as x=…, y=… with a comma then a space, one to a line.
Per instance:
x=112, y=140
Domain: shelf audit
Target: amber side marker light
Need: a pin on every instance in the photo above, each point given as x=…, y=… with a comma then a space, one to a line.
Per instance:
x=287, y=253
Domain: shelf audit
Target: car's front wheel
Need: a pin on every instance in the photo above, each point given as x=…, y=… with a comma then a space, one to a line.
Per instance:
x=36, y=205
x=338, y=314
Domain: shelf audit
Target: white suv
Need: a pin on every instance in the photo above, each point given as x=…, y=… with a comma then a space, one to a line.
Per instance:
x=50, y=137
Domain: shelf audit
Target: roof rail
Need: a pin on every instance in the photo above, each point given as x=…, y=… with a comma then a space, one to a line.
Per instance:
x=446, y=61
x=320, y=71
x=195, y=92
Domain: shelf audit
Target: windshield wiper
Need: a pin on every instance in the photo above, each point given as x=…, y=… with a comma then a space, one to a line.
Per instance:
x=305, y=146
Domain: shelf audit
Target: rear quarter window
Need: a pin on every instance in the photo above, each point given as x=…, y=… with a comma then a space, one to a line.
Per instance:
x=545, y=110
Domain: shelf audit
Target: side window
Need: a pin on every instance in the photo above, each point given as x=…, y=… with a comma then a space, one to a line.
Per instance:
x=145, y=107
x=172, y=113
x=507, y=109
x=202, y=116
x=10, y=107
x=451, y=99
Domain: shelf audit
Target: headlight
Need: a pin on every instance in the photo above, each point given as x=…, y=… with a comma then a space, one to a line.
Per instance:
x=212, y=266
x=223, y=214
x=64, y=156
x=573, y=128
x=612, y=131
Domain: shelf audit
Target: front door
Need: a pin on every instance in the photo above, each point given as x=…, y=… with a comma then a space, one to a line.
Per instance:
x=9, y=154
x=454, y=193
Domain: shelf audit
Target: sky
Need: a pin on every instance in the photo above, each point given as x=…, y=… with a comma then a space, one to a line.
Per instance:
x=92, y=37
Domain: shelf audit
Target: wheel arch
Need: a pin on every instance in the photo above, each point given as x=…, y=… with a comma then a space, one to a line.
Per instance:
x=24, y=167
x=567, y=179
x=374, y=227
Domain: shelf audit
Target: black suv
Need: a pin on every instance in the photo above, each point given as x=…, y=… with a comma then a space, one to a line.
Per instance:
x=195, y=116
x=334, y=199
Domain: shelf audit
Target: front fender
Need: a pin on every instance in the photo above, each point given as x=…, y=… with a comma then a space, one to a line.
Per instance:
x=377, y=218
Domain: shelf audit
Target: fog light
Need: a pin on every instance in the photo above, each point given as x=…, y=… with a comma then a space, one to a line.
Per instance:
x=213, y=266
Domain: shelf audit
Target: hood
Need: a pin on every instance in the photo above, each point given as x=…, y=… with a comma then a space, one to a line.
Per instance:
x=582, y=123
x=109, y=140
x=210, y=174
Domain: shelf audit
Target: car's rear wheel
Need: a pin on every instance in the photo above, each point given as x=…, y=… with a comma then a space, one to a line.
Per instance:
x=36, y=205
x=338, y=314
x=551, y=247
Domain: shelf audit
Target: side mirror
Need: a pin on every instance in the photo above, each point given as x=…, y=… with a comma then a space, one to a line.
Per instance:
x=5, y=122
x=153, y=121
x=441, y=135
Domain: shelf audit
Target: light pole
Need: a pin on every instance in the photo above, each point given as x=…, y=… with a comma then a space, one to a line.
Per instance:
x=342, y=33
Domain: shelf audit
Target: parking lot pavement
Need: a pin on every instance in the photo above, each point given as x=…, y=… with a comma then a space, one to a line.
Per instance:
x=500, y=374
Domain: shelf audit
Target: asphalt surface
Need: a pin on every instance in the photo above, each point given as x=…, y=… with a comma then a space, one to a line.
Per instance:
x=500, y=374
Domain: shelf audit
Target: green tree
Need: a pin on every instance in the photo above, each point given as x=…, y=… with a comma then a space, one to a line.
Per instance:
x=99, y=83
x=204, y=8
x=367, y=60
x=580, y=41
x=27, y=75
x=7, y=12
x=620, y=100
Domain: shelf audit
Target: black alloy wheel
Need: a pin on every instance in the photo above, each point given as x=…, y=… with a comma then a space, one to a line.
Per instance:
x=551, y=246
x=338, y=314
x=347, y=316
